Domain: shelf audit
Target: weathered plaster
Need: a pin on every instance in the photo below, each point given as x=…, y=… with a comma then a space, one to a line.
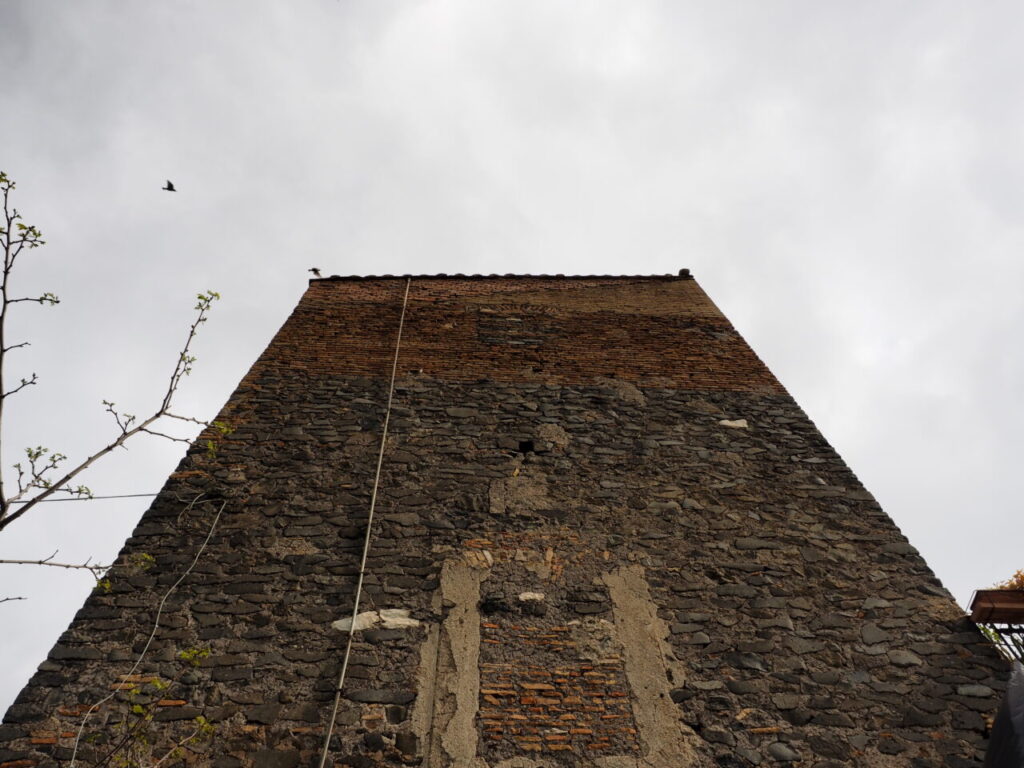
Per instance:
x=456, y=680
x=524, y=492
x=666, y=741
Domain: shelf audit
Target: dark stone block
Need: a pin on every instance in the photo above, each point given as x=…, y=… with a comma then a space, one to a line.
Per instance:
x=679, y=629
x=224, y=660
x=307, y=713
x=492, y=604
x=228, y=674
x=969, y=721
x=381, y=696
x=718, y=736
x=266, y=714
x=899, y=548
x=276, y=758
x=8, y=732
x=407, y=743
x=728, y=761
x=554, y=514
x=383, y=635
x=798, y=716
x=534, y=608
x=802, y=645
x=746, y=661
x=735, y=590
x=912, y=716
x=373, y=741
x=172, y=714
x=305, y=656
x=750, y=543
x=783, y=753
x=833, y=720
x=404, y=582
x=743, y=686
x=217, y=714
x=97, y=612
x=828, y=745
x=890, y=745
x=590, y=608
x=23, y=713
x=68, y=653
x=827, y=677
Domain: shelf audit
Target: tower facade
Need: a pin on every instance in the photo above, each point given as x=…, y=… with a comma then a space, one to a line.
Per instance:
x=602, y=534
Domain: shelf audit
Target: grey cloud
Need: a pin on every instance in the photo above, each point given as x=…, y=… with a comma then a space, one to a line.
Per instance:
x=844, y=179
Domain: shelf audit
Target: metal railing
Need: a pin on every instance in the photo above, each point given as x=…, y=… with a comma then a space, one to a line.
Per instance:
x=1008, y=638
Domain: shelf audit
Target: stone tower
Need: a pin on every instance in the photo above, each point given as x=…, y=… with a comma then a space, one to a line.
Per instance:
x=603, y=535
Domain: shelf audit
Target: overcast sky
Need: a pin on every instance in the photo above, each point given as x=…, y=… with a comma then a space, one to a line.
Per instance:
x=845, y=180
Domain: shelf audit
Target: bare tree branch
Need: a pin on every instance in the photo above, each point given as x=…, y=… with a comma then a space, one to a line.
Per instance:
x=96, y=569
x=9, y=599
x=46, y=298
x=24, y=383
x=125, y=423
x=14, y=237
x=34, y=483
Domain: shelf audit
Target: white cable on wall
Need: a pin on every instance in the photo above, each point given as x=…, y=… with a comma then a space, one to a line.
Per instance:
x=369, y=533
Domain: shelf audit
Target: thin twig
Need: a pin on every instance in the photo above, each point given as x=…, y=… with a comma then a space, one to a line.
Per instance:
x=172, y=438
x=97, y=570
x=156, y=626
x=8, y=599
x=24, y=383
x=177, y=746
x=128, y=736
x=190, y=419
x=94, y=498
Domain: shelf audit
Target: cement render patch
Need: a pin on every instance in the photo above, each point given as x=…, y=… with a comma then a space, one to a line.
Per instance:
x=666, y=741
x=458, y=683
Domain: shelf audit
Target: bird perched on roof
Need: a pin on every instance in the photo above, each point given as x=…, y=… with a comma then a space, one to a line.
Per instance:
x=315, y=271
x=169, y=187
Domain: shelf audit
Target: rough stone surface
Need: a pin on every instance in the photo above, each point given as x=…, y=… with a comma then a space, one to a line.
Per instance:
x=731, y=593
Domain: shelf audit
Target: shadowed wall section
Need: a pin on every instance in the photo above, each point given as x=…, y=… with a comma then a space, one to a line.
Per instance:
x=605, y=536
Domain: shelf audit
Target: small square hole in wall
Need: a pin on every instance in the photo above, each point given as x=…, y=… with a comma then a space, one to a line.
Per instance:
x=526, y=446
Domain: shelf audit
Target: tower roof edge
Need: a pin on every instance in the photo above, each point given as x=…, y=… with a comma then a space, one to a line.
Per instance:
x=683, y=274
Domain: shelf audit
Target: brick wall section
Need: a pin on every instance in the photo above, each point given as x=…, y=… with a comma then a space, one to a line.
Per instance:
x=801, y=624
x=569, y=708
x=642, y=330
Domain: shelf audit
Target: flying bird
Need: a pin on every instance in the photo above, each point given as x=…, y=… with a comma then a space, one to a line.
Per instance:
x=169, y=187
x=315, y=271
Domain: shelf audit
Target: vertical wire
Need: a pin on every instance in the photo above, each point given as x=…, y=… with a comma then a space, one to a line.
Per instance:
x=369, y=532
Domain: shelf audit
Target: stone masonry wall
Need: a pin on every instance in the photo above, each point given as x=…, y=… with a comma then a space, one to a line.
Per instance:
x=619, y=542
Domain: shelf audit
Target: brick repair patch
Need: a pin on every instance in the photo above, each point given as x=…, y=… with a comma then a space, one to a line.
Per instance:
x=545, y=699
